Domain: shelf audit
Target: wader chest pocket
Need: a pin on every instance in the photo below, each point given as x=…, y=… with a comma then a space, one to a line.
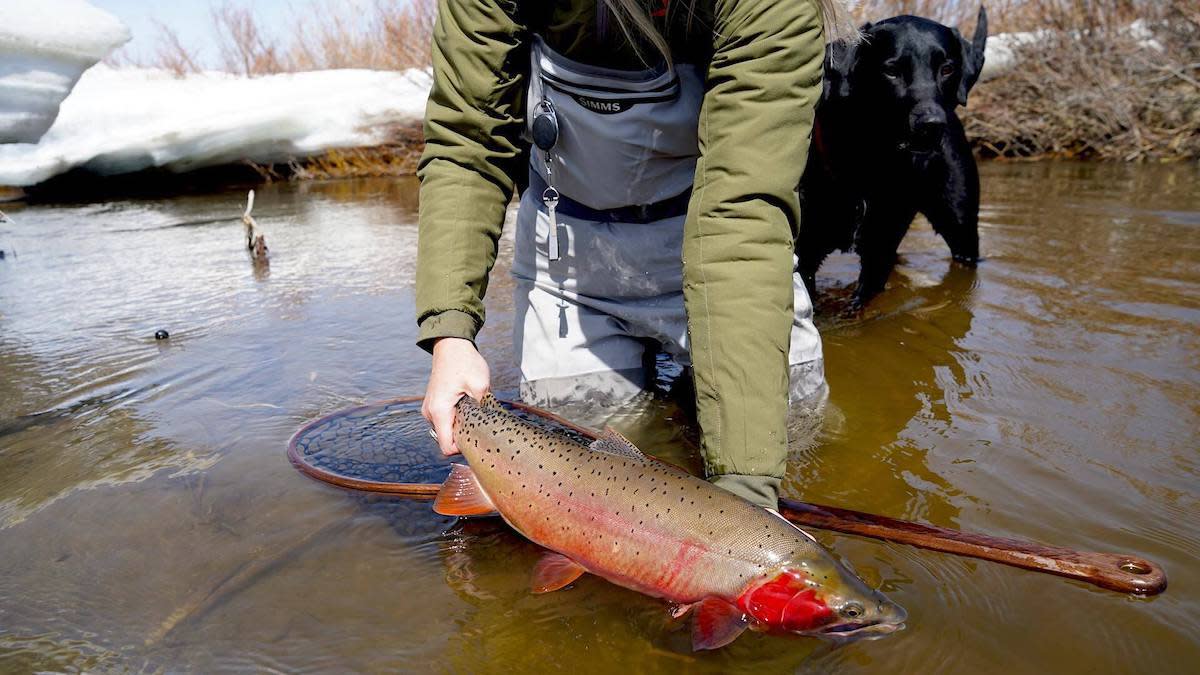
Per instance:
x=608, y=138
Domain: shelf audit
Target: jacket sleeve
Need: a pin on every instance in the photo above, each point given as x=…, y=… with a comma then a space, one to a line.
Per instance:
x=761, y=91
x=473, y=123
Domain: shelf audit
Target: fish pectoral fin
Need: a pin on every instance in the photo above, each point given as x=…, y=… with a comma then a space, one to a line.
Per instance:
x=462, y=495
x=716, y=623
x=555, y=571
x=612, y=442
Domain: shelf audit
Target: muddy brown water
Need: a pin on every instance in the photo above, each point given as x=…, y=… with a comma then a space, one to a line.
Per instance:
x=1051, y=394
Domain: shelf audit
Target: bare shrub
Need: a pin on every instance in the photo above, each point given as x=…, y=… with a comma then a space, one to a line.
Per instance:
x=243, y=46
x=1100, y=89
x=394, y=35
x=389, y=35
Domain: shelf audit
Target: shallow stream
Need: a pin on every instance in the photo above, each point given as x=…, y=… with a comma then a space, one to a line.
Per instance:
x=1051, y=394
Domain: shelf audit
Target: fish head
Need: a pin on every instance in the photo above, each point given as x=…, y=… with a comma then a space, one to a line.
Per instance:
x=820, y=598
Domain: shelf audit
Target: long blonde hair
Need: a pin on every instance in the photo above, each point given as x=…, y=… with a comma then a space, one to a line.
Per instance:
x=636, y=23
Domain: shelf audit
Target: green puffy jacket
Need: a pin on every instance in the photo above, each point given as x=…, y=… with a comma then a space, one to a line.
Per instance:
x=764, y=61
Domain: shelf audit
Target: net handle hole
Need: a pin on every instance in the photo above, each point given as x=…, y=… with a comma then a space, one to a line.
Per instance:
x=1135, y=567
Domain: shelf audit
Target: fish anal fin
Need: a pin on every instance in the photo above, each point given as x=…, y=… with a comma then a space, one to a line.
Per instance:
x=612, y=442
x=462, y=495
x=716, y=623
x=555, y=571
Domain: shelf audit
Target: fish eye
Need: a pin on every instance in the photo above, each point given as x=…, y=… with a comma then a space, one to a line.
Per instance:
x=852, y=610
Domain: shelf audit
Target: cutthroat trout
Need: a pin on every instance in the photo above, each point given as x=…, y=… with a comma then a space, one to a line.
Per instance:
x=609, y=510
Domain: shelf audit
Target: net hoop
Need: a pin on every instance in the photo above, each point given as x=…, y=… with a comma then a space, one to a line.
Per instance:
x=304, y=461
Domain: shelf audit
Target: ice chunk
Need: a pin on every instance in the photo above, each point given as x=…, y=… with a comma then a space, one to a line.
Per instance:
x=45, y=45
x=129, y=119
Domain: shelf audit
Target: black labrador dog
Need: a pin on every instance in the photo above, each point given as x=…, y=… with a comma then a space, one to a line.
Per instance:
x=887, y=145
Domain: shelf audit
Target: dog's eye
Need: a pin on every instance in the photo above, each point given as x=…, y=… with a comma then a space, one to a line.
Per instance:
x=947, y=69
x=890, y=71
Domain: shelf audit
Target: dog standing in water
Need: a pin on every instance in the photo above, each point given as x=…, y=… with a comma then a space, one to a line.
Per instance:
x=887, y=145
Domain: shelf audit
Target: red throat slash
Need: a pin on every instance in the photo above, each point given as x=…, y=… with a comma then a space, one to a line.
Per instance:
x=786, y=602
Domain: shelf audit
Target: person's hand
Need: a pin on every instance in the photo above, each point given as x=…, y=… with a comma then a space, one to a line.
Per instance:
x=458, y=369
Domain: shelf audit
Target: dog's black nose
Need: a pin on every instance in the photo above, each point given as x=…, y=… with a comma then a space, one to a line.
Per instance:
x=929, y=128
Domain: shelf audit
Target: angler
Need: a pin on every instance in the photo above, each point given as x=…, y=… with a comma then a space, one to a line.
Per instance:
x=661, y=143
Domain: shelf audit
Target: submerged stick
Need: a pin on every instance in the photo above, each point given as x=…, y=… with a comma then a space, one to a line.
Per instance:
x=1112, y=571
x=255, y=241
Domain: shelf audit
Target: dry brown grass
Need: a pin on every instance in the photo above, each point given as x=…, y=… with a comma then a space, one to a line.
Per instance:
x=1091, y=92
x=396, y=158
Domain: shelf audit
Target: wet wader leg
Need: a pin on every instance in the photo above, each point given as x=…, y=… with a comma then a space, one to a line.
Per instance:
x=568, y=353
x=807, y=390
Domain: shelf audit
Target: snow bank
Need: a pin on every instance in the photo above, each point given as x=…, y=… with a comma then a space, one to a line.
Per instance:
x=45, y=45
x=129, y=119
x=1000, y=55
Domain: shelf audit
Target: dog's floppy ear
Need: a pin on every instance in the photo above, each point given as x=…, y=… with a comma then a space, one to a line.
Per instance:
x=972, y=52
x=839, y=63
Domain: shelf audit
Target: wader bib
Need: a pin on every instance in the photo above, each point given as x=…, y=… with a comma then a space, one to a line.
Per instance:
x=616, y=183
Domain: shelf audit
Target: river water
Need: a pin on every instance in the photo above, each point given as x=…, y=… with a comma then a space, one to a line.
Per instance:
x=149, y=519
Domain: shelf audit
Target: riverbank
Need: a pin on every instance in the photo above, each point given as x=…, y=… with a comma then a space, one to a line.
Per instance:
x=1097, y=85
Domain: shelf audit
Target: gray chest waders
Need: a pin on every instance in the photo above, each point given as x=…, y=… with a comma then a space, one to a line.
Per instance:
x=599, y=238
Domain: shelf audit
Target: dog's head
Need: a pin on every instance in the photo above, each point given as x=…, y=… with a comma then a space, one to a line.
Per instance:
x=909, y=73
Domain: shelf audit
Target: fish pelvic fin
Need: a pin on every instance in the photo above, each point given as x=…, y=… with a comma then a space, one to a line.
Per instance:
x=612, y=442
x=716, y=623
x=678, y=611
x=462, y=495
x=554, y=571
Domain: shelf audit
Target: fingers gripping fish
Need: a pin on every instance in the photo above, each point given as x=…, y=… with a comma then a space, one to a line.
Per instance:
x=607, y=509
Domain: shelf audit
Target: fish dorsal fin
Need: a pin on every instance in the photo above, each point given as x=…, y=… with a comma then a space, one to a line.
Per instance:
x=489, y=401
x=554, y=571
x=613, y=443
x=794, y=526
x=716, y=623
x=462, y=495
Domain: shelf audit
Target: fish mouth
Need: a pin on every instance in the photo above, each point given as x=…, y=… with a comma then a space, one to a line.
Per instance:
x=859, y=631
